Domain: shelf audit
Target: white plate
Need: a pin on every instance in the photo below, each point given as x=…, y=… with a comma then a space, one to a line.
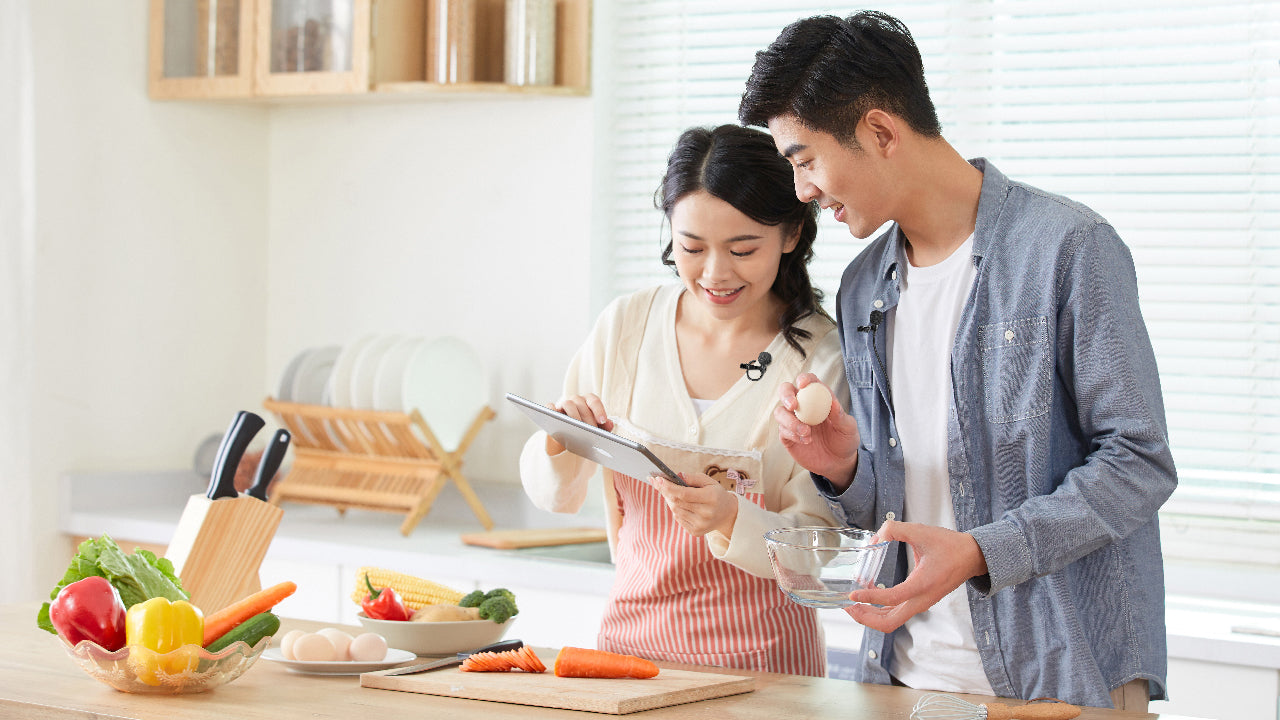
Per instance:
x=365, y=370
x=348, y=667
x=343, y=368
x=388, y=383
x=312, y=378
x=446, y=382
x=284, y=392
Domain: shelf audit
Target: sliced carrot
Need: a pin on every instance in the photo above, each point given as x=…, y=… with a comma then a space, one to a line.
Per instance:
x=529, y=660
x=523, y=659
x=585, y=663
x=221, y=622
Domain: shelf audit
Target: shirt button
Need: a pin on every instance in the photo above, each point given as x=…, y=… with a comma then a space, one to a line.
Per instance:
x=872, y=654
x=893, y=275
x=1008, y=335
x=893, y=442
x=890, y=515
x=880, y=585
x=878, y=303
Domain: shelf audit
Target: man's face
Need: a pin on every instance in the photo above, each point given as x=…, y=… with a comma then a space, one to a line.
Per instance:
x=847, y=180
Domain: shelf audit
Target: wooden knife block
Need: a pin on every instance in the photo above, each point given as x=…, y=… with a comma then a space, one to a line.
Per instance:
x=218, y=546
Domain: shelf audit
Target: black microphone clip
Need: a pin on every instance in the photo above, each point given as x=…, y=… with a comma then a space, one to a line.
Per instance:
x=876, y=317
x=757, y=366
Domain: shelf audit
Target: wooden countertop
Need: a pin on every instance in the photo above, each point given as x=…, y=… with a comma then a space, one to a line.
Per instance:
x=38, y=679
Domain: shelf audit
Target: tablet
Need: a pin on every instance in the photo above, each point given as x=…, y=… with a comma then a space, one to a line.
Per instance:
x=612, y=451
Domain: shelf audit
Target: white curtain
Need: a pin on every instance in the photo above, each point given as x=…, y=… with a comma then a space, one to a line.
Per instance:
x=17, y=241
x=1162, y=115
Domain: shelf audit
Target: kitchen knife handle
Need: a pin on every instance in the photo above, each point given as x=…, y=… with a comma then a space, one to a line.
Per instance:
x=222, y=481
x=500, y=646
x=269, y=464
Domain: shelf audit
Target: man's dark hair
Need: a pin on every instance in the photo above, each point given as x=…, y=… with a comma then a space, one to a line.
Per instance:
x=828, y=72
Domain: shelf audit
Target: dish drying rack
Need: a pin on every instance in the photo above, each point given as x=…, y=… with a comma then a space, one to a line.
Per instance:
x=372, y=460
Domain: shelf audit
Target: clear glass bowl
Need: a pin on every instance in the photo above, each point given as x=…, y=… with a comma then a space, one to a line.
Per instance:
x=188, y=669
x=819, y=566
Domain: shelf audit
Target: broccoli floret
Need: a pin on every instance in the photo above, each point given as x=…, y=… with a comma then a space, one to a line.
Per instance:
x=472, y=599
x=500, y=592
x=498, y=608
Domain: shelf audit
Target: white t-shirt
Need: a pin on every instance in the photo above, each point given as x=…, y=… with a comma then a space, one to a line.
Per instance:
x=934, y=650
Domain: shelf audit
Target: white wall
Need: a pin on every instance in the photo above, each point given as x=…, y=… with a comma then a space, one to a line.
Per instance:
x=464, y=217
x=187, y=250
x=151, y=232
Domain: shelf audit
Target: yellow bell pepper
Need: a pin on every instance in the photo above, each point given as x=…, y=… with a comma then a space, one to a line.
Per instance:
x=154, y=629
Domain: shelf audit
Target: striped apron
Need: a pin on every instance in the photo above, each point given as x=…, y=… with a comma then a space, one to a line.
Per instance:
x=672, y=600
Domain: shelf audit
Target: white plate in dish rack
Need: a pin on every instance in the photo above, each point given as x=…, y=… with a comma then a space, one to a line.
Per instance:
x=388, y=384
x=445, y=380
x=343, y=368
x=311, y=381
x=365, y=370
x=284, y=391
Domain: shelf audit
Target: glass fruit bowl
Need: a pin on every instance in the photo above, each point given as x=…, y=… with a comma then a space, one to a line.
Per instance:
x=188, y=669
x=819, y=566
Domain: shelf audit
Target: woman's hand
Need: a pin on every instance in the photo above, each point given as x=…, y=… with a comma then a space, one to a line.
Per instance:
x=701, y=507
x=587, y=408
x=829, y=448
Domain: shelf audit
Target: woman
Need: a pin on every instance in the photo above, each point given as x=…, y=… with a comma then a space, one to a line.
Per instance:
x=682, y=368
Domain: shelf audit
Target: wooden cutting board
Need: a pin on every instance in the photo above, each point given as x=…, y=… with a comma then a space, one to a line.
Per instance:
x=513, y=539
x=613, y=697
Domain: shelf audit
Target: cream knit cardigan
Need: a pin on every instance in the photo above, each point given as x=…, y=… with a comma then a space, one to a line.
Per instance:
x=740, y=420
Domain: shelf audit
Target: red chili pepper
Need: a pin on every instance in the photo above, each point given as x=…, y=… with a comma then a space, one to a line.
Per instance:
x=384, y=604
x=89, y=609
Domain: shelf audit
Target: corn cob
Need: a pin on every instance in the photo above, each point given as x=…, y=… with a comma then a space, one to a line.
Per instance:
x=414, y=591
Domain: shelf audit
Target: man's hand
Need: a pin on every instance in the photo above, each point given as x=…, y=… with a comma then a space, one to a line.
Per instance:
x=944, y=560
x=829, y=448
x=701, y=507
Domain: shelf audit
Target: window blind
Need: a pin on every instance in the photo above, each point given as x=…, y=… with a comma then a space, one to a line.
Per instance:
x=1162, y=115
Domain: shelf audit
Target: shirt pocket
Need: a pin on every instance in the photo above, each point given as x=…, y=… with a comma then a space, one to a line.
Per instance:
x=858, y=373
x=1016, y=368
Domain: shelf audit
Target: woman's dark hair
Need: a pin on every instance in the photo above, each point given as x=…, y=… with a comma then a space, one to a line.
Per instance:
x=828, y=72
x=742, y=167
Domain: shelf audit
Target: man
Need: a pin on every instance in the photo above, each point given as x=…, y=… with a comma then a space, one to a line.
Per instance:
x=1006, y=417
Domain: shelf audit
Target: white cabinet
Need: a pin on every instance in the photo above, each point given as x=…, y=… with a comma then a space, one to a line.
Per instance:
x=1219, y=690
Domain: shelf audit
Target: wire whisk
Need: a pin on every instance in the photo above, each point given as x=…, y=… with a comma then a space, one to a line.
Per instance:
x=950, y=707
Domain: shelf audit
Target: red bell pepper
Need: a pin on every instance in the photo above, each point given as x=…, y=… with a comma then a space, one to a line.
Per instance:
x=384, y=604
x=89, y=609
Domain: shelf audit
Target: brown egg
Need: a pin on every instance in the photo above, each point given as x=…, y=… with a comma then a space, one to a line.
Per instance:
x=341, y=641
x=286, y=643
x=314, y=647
x=813, y=403
x=368, y=647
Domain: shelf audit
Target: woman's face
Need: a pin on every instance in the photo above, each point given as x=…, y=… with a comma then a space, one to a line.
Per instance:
x=727, y=261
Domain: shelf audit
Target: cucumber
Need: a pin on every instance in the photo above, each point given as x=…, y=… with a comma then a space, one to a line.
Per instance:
x=250, y=631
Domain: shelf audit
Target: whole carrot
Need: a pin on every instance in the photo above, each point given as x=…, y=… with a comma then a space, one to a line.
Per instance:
x=584, y=663
x=221, y=622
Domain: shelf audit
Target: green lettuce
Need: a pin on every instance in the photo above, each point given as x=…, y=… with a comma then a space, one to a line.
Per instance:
x=137, y=577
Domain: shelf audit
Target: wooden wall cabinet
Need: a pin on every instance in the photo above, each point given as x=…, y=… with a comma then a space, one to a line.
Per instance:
x=200, y=49
x=275, y=49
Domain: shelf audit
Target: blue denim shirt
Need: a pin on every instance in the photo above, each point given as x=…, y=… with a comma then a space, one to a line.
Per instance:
x=1057, y=447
